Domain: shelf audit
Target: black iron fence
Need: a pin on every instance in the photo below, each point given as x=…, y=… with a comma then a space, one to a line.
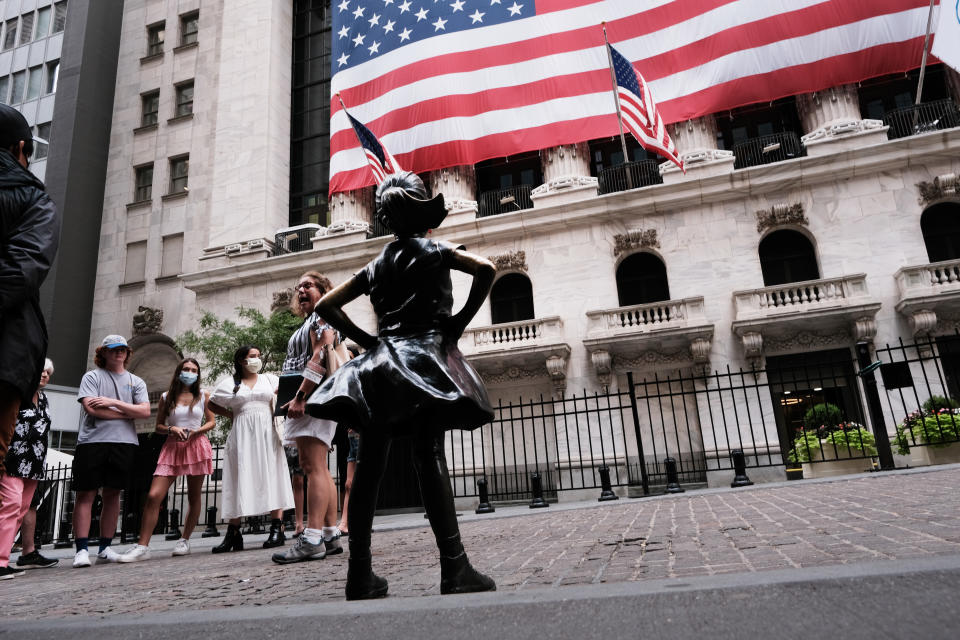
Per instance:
x=800, y=412
x=926, y=116
x=766, y=149
x=630, y=175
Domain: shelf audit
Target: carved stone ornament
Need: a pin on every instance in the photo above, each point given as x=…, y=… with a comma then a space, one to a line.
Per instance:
x=780, y=214
x=649, y=359
x=147, y=321
x=513, y=374
x=633, y=240
x=806, y=340
x=700, y=350
x=864, y=329
x=923, y=321
x=510, y=261
x=557, y=370
x=941, y=187
x=602, y=363
x=281, y=299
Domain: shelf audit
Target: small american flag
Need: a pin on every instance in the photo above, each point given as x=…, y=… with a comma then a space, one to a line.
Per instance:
x=381, y=162
x=638, y=112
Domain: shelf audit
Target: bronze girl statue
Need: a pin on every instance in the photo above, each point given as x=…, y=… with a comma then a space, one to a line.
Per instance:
x=413, y=381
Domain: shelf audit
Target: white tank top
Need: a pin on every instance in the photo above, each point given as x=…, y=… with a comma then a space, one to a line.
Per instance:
x=183, y=415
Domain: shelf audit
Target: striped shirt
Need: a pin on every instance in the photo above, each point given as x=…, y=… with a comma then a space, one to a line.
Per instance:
x=299, y=349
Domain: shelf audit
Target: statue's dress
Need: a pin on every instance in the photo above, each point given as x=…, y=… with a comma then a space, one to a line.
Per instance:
x=415, y=379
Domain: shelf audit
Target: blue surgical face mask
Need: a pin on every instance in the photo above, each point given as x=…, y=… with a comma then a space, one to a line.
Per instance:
x=188, y=377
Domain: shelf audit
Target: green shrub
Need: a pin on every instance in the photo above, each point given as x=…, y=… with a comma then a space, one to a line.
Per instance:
x=820, y=415
x=938, y=430
x=935, y=404
x=850, y=435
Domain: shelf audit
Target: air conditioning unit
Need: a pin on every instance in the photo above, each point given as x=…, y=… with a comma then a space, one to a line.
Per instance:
x=294, y=239
x=232, y=248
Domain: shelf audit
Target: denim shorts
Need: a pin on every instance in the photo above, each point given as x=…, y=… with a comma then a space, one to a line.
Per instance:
x=354, y=439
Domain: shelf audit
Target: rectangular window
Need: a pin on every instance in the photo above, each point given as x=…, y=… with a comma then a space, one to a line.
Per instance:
x=189, y=27
x=43, y=23
x=34, y=82
x=184, y=99
x=155, y=36
x=179, y=168
x=41, y=141
x=4, y=89
x=171, y=262
x=10, y=35
x=143, y=188
x=53, y=75
x=59, y=16
x=150, y=108
x=26, y=28
x=19, y=82
x=136, y=267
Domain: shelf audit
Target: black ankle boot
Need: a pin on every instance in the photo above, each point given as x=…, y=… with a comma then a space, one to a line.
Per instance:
x=362, y=582
x=233, y=541
x=276, y=537
x=458, y=576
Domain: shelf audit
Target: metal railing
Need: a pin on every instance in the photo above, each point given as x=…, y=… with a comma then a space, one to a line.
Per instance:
x=507, y=200
x=921, y=118
x=630, y=175
x=766, y=149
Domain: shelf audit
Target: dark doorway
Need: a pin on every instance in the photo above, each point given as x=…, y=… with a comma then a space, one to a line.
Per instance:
x=511, y=299
x=642, y=278
x=799, y=382
x=787, y=256
x=940, y=225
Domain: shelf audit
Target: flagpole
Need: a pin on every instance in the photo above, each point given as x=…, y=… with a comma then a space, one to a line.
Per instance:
x=616, y=101
x=923, y=60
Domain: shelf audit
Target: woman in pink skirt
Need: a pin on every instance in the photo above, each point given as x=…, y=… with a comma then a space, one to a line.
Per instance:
x=184, y=415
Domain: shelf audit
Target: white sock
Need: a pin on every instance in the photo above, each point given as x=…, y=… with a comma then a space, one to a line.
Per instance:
x=313, y=536
x=329, y=533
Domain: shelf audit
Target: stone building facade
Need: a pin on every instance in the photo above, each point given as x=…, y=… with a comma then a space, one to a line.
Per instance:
x=854, y=199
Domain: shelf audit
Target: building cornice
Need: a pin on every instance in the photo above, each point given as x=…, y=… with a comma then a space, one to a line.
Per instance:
x=772, y=179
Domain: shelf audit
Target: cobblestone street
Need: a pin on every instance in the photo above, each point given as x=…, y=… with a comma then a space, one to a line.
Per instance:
x=866, y=518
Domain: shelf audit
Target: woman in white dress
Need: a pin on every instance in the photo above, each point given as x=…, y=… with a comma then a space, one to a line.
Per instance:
x=255, y=475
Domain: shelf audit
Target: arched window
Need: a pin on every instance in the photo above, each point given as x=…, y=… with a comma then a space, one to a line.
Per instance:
x=642, y=278
x=511, y=299
x=940, y=225
x=787, y=256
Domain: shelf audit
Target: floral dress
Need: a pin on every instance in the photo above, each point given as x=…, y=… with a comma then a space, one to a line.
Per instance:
x=28, y=449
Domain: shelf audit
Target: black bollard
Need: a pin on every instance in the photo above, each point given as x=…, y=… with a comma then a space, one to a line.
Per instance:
x=606, y=489
x=63, y=538
x=211, y=530
x=484, y=506
x=673, y=481
x=740, y=478
x=128, y=532
x=537, y=502
x=174, y=527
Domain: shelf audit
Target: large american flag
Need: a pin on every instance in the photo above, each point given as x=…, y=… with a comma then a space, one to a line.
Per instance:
x=448, y=82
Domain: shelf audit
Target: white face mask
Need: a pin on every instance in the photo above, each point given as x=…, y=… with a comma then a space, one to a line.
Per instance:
x=253, y=365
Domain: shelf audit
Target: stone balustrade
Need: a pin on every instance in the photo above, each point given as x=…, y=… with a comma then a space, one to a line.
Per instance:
x=928, y=279
x=800, y=296
x=641, y=318
x=512, y=335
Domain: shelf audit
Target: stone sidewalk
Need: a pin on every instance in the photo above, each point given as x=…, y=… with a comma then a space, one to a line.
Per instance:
x=855, y=519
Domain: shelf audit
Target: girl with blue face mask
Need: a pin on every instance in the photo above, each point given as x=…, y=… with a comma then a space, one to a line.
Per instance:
x=185, y=417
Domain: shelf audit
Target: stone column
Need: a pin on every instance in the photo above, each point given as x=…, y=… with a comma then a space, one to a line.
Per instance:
x=250, y=148
x=566, y=175
x=832, y=121
x=696, y=142
x=459, y=188
x=351, y=215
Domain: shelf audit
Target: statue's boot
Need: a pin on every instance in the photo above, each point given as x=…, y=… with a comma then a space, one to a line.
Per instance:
x=457, y=575
x=362, y=582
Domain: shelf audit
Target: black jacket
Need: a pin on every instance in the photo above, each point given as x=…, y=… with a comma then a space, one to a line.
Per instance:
x=29, y=235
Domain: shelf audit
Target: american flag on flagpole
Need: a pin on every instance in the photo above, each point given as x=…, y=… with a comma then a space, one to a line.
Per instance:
x=638, y=111
x=379, y=159
x=449, y=82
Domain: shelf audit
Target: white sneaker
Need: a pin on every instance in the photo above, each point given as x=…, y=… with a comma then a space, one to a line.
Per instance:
x=81, y=559
x=138, y=552
x=108, y=555
x=182, y=548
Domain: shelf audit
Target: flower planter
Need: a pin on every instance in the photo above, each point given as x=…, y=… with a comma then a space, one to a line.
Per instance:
x=926, y=455
x=829, y=461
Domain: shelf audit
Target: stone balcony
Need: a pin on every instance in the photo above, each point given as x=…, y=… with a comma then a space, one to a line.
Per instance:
x=929, y=294
x=802, y=316
x=669, y=332
x=514, y=351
